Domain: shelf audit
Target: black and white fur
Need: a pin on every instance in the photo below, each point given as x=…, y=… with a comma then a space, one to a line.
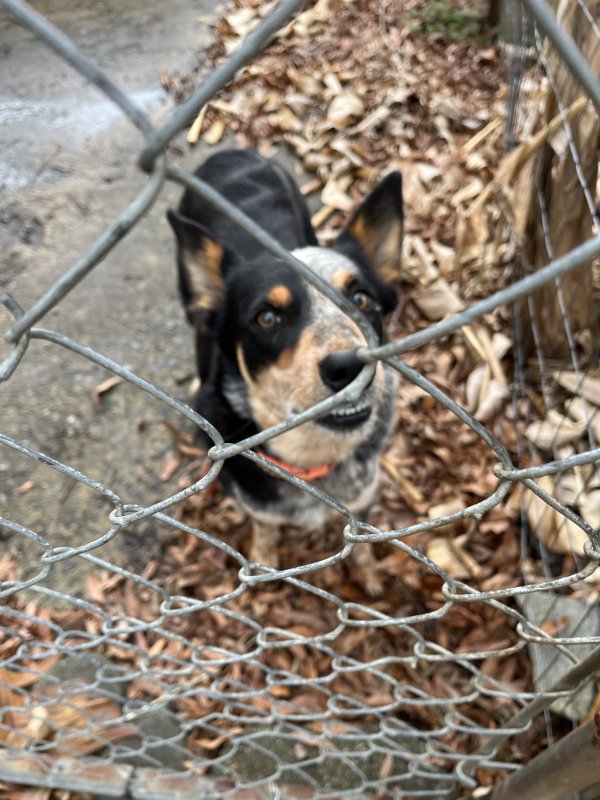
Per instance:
x=269, y=345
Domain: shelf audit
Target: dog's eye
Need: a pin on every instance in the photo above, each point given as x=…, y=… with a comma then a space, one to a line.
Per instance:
x=268, y=319
x=361, y=300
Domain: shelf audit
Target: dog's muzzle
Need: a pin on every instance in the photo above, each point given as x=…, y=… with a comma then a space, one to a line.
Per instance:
x=337, y=371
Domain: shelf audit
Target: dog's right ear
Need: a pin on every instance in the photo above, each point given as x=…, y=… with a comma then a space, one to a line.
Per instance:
x=377, y=227
x=200, y=260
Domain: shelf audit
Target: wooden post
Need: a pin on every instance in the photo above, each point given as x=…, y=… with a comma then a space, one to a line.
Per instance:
x=558, y=196
x=569, y=766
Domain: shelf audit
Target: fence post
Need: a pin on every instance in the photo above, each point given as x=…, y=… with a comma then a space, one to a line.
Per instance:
x=568, y=766
x=555, y=192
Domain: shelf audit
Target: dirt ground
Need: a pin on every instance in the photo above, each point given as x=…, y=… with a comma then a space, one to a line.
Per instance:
x=67, y=170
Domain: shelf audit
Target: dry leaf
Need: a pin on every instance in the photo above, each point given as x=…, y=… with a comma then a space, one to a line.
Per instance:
x=437, y=300
x=501, y=344
x=485, y=395
x=95, y=587
x=27, y=793
x=193, y=135
x=444, y=255
x=468, y=192
x=105, y=387
x=171, y=465
x=405, y=486
x=419, y=265
x=582, y=411
x=555, y=431
x=344, y=146
x=215, y=133
x=344, y=108
x=8, y=698
x=444, y=509
x=589, y=505
x=285, y=118
x=583, y=385
x=453, y=558
x=492, y=402
x=39, y=728
x=449, y=108
x=26, y=675
x=427, y=172
x=242, y=21
x=571, y=488
x=334, y=193
x=387, y=766
x=372, y=120
x=179, y=435
x=321, y=216
x=559, y=534
x=213, y=744
x=478, y=139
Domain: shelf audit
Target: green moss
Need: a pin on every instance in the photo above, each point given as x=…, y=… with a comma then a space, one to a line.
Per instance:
x=449, y=20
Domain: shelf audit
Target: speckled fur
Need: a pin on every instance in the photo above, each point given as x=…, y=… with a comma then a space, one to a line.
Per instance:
x=253, y=379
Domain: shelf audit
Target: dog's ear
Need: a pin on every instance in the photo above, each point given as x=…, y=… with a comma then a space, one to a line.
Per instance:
x=200, y=260
x=377, y=227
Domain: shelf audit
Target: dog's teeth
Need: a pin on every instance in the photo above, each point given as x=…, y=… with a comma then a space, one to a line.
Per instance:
x=345, y=412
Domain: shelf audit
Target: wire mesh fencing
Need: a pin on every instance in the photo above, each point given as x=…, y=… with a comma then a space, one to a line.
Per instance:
x=139, y=690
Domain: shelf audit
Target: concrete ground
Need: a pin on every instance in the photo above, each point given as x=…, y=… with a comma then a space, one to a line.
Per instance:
x=67, y=170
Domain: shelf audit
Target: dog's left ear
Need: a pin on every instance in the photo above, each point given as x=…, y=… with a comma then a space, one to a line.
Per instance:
x=200, y=261
x=377, y=228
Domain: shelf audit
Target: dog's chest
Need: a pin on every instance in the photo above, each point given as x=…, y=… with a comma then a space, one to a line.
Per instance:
x=352, y=485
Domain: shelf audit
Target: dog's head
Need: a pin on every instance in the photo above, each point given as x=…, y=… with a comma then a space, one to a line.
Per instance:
x=275, y=345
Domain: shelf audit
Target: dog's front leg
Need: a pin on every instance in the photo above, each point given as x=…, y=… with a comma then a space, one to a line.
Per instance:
x=364, y=558
x=264, y=541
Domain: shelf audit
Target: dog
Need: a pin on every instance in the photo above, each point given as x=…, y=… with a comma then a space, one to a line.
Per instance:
x=269, y=345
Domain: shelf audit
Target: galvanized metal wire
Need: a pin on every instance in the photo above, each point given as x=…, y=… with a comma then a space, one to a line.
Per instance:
x=351, y=746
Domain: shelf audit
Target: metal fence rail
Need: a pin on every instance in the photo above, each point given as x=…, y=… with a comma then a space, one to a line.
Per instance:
x=115, y=698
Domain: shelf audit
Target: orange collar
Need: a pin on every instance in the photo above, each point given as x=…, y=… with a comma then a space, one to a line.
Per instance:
x=304, y=473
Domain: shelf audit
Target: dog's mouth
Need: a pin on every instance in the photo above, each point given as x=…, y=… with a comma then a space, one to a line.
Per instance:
x=346, y=417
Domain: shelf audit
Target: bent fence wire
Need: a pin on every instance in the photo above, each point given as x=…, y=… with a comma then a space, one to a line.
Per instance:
x=98, y=700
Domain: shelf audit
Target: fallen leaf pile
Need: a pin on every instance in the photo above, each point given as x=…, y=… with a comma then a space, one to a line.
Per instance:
x=357, y=99
x=354, y=90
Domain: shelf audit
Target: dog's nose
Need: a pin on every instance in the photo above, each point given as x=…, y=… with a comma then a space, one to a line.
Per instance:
x=340, y=369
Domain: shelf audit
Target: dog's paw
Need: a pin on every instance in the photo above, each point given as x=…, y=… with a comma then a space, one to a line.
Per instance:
x=263, y=546
x=372, y=583
x=368, y=573
x=262, y=555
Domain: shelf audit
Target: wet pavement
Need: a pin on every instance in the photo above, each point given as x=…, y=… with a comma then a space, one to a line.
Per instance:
x=67, y=171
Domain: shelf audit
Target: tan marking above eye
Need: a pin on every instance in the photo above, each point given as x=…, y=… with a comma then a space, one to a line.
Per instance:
x=341, y=279
x=279, y=296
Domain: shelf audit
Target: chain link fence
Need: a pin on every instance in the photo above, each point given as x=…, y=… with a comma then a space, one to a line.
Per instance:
x=125, y=698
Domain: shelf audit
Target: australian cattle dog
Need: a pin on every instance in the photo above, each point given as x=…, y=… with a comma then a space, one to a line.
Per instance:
x=269, y=345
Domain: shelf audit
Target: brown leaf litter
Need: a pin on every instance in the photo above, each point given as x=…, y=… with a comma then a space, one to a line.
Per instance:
x=352, y=101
